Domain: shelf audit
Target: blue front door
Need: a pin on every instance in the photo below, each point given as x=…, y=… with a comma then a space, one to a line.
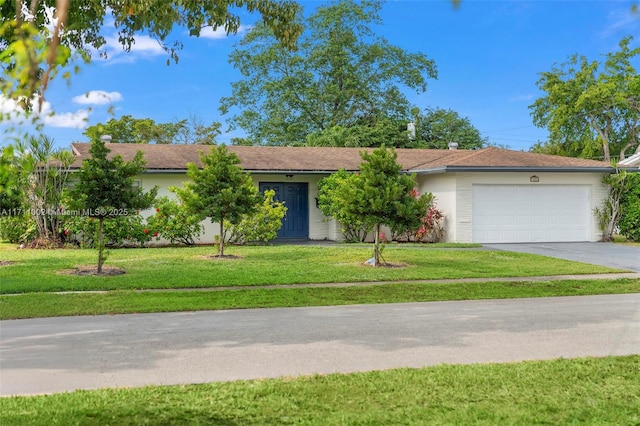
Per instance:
x=295, y=224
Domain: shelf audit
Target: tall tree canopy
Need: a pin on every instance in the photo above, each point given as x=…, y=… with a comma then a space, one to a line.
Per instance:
x=128, y=129
x=31, y=53
x=436, y=127
x=591, y=108
x=341, y=74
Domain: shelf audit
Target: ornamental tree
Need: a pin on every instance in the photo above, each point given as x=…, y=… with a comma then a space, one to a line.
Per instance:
x=220, y=190
x=381, y=195
x=104, y=189
x=385, y=196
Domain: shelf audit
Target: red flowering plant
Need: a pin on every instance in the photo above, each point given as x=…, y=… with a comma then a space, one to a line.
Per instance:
x=431, y=228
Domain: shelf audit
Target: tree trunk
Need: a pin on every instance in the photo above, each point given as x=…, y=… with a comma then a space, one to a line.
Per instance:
x=221, y=242
x=376, y=245
x=100, y=245
x=604, y=137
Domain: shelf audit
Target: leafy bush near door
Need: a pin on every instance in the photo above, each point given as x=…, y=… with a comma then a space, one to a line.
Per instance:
x=261, y=225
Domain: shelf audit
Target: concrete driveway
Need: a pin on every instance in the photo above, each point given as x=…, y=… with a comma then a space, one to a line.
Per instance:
x=605, y=254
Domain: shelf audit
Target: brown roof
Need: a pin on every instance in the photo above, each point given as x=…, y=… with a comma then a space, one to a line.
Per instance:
x=322, y=159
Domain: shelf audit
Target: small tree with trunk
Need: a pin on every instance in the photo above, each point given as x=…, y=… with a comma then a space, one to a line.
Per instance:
x=105, y=189
x=220, y=190
x=381, y=195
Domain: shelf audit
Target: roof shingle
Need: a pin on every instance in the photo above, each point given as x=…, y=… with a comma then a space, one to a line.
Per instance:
x=325, y=159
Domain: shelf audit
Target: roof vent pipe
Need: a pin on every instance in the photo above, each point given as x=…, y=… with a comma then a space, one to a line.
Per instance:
x=105, y=138
x=453, y=146
x=411, y=131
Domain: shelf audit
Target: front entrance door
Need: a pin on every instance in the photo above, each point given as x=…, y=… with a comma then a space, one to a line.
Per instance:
x=295, y=224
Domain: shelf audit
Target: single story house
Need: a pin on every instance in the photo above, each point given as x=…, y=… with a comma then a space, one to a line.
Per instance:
x=489, y=195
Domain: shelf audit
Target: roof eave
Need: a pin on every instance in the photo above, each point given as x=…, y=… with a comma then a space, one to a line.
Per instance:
x=453, y=169
x=252, y=171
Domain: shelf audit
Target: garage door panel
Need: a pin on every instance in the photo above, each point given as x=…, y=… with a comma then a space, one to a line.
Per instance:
x=530, y=213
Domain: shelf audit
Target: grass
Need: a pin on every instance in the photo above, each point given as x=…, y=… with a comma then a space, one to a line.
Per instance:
x=188, y=267
x=593, y=391
x=621, y=239
x=35, y=276
x=38, y=305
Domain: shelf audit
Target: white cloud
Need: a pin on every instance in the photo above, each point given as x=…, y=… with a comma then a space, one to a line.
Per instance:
x=73, y=120
x=142, y=47
x=97, y=97
x=220, y=32
x=45, y=115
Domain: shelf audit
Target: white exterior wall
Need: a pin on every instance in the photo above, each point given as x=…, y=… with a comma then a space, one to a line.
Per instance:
x=443, y=187
x=453, y=192
x=164, y=181
x=465, y=181
x=320, y=227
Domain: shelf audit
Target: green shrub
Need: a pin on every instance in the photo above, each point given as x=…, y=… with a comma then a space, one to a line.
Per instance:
x=629, y=223
x=17, y=229
x=263, y=224
x=173, y=222
x=118, y=231
x=332, y=200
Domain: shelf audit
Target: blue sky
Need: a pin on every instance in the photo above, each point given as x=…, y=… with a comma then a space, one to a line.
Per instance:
x=488, y=53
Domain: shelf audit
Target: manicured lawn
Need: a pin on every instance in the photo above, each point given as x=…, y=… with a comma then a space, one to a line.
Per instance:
x=559, y=392
x=39, y=270
x=36, y=305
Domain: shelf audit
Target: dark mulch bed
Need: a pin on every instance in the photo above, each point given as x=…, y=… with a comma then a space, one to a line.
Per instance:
x=387, y=265
x=107, y=271
x=225, y=257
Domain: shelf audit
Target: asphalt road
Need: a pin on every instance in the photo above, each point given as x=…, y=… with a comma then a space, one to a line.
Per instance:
x=62, y=354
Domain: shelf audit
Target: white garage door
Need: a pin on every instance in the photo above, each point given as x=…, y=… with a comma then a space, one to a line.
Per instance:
x=531, y=213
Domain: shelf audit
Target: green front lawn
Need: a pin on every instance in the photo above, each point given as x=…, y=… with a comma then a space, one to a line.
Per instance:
x=37, y=305
x=594, y=391
x=189, y=267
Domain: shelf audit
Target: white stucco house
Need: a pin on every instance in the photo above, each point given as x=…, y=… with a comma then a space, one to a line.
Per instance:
x=489, y=195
